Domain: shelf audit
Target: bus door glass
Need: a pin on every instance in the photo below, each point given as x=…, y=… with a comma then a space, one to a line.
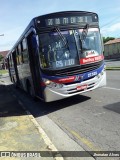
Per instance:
x=34, y=63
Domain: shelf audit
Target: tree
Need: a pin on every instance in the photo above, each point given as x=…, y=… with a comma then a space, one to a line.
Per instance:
x=106, y=39
x=1, y=57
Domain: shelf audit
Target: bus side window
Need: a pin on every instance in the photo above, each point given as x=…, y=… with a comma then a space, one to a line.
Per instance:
x=17, y=56
x=10, y=62
x=20, y=54
x=25, y=53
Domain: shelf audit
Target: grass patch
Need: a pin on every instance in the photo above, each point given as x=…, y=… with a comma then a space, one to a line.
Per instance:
x=112, y=68
x=3, y=72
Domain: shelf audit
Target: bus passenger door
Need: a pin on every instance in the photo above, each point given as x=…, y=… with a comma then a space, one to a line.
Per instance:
x=34, y=64
x=17, y=81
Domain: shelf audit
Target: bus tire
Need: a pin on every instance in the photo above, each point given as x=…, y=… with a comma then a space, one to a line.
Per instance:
x=29, y=89
x=13, y=80
x=16, y=85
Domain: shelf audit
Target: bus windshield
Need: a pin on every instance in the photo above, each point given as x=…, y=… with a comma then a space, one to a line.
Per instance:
x=60, y=49
x=90, y=42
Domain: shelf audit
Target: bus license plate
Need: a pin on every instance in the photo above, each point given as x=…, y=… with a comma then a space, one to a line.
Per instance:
x=83, y=87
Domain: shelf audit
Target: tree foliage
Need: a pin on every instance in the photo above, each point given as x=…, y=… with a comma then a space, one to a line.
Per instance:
x=1, y=57
x=106, y=39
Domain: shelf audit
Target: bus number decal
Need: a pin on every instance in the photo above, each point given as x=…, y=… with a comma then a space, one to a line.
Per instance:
x=59, y=64
x=92, y=74
x=69, y=62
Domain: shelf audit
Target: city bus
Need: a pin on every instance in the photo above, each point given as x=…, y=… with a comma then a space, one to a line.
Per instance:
x=59, y=55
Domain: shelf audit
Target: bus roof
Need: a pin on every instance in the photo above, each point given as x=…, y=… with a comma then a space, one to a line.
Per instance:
x=66, y=12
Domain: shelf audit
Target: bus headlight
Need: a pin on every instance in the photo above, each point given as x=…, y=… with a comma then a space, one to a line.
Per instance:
x=52, y=84
x=101, y=74
x=98, y=75
x=47, y=82
x=104, y=67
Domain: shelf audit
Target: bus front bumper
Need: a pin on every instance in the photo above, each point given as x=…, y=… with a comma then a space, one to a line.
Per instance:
x=53, y=94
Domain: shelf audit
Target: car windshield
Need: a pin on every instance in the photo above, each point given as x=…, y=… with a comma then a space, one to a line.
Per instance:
x=60, y=49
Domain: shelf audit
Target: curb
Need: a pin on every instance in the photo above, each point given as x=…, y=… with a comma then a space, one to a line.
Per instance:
x=2, y=82
x=46, y=139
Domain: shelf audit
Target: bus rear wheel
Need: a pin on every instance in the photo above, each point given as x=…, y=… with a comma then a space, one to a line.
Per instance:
x=30, y=92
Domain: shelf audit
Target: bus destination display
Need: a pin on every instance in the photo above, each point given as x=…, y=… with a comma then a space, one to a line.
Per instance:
x=70, y=20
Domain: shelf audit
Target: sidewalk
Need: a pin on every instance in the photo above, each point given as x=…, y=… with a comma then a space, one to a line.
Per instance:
x=19, y=131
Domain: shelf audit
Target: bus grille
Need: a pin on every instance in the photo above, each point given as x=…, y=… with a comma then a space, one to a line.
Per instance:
x=79, y=69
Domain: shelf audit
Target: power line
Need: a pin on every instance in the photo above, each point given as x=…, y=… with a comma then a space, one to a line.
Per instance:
x=110, y=21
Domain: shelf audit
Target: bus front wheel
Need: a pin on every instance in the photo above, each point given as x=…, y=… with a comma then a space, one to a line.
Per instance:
x=29, y=89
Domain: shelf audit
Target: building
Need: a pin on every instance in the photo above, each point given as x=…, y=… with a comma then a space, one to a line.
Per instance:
x=3, y=63
x=112, y=49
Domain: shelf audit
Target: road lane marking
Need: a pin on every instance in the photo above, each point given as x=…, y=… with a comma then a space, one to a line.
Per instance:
x=96, y=114
x=85, y=141
x=112, y=88
x=82, y=139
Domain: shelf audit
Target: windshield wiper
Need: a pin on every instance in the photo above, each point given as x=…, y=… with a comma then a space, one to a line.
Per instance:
x=84, y=32
x=62, y=37
x=83, y=37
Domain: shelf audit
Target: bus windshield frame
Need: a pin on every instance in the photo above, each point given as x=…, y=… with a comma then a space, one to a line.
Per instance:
x=61, y=49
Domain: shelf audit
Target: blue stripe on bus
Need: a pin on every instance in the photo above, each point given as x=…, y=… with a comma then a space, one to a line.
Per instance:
x=84, y=76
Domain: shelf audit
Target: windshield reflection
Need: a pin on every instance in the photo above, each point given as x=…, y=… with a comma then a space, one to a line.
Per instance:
x=54, y=53
x=91, y=43
x=62, y=49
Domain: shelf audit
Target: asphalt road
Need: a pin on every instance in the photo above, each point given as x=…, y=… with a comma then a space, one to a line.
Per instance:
x=91, y=119
x=94, y=117
x=113, y=63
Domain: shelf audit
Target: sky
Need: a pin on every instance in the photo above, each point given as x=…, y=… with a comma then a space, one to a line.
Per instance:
x=15, y=15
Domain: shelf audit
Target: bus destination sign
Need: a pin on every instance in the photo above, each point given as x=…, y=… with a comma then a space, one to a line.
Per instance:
x=71, y=20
